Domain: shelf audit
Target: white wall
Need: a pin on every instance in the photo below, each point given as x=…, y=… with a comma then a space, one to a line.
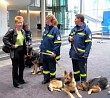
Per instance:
x=34, y=18
x=3, y=20
x=12, y=14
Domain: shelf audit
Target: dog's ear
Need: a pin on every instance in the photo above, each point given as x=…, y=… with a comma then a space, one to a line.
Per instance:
x=70, y=74
x=65, y=72
x=80, y=87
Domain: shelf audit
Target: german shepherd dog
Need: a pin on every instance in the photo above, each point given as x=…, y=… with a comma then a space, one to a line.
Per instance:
x=55, y=85
x=38, y=63
x=34, y=57
x=28, y=62
x=94, y=85
x=69, y=85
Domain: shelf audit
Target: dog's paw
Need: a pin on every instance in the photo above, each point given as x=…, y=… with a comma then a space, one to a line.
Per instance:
x=59, y=90
x=108, y=92
x=89, y=92
x=107, y=86
x=33, y=73
x=80, y=96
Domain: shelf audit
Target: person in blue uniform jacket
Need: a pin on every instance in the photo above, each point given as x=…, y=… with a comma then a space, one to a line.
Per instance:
x=28, y=37
x=28, y=34
x=50, y=44
x=80, y=38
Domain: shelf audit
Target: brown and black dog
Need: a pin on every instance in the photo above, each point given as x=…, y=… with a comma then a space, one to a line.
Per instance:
x=55, y=85
x=33, y=57
x=38, y=63
x=94, y=85
x=28, y=62
x=69, y=85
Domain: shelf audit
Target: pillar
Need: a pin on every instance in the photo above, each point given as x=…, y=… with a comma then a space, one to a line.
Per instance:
x=28, y=15
x=3, y=19
x=43, y=14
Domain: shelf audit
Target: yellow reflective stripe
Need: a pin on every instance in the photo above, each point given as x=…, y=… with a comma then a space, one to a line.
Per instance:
x=29, y=37
x=57, y=57
x=50, y=35
x=53, y=74
x=83, y=75
x=69, y=36
x=77, y=72
x=56, y=42
x=72, y=33
x=88, y=40
x=81, y=50
x=46, y=72
x=44, y=34
x=81, y=33
x=48, y=51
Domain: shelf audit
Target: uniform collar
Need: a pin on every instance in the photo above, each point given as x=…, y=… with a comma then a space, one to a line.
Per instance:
x=80, y=28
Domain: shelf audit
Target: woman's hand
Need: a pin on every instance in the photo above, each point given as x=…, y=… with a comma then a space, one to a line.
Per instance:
x=53, y=55
x=15, y=46
x=71, y=39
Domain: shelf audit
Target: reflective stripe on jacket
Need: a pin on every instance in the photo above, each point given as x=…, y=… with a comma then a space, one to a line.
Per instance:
x=51, y=41
x=82, y=41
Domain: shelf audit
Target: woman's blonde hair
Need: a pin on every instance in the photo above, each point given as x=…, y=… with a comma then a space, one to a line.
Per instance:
x=19, y=18
x=52, y=18
x=55, y=22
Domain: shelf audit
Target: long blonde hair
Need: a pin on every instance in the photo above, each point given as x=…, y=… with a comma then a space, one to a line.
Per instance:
x=52, y=18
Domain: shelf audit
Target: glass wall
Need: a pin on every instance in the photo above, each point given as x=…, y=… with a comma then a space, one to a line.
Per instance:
x=65, y=10
x=73, y=8
x=59, y=8
x=95, y=9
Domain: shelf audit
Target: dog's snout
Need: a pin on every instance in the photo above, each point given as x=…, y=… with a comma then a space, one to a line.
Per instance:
x=67, y=82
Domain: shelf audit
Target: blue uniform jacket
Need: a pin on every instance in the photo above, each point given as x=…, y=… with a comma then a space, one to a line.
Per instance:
x=28, y=35
x=51, y=41
x=82, y=42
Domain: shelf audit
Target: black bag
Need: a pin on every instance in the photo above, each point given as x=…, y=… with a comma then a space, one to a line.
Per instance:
x=6, y=49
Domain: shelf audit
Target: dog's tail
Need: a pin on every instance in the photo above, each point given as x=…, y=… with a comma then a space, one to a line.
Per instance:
x=68, y=93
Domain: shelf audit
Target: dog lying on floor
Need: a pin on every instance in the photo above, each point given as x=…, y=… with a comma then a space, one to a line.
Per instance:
x=55, y=85
x=69, y=85
x=94, y=85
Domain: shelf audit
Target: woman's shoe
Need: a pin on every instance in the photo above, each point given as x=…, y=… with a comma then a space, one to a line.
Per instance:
x=45, y=81
x=23, y=82
x=18, y=86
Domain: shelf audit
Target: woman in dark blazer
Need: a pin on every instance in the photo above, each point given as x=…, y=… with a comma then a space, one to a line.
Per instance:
x=15, y=40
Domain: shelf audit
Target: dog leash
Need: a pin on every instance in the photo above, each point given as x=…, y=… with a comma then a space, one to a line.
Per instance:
x=76, y=51
x=55, y=60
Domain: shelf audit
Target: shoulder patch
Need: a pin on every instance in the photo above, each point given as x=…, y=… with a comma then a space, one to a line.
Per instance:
x=90, y=36
x=58, y=37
